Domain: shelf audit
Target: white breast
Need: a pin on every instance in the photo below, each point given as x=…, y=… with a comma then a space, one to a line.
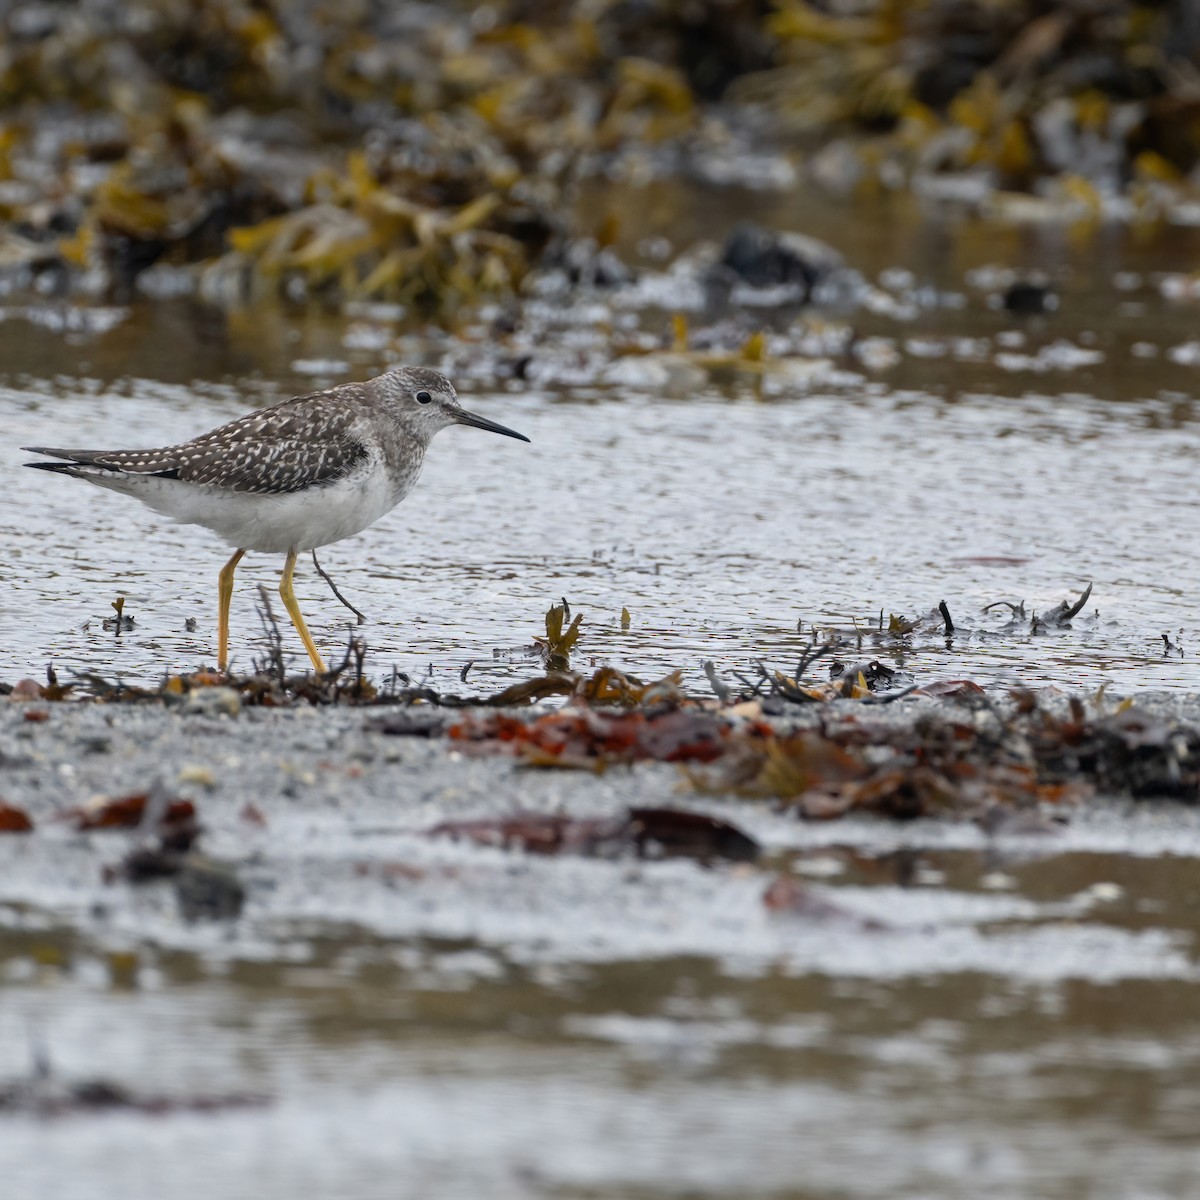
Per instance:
x=274, y=524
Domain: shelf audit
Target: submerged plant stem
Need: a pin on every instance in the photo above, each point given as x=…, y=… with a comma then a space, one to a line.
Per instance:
x=334, y=589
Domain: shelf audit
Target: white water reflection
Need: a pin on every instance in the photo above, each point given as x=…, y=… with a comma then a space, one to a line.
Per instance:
x=718, y=523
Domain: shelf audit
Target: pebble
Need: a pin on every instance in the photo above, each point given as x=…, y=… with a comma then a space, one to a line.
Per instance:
x=213, y=702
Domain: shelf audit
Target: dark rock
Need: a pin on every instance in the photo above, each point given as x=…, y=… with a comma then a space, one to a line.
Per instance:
x=410, y=722
x=1027, y=299
x=584, y=263
x=764, y=258
x=208, y=891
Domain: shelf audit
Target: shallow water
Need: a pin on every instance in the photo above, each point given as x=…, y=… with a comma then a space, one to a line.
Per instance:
x=718, y=524
x=883, y=479
x=445, y=1022
x=1016, y=1014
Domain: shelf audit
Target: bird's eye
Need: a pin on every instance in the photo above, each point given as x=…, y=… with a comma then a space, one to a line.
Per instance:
x=423, y=397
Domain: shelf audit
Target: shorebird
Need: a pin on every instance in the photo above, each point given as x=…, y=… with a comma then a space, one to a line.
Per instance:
x=291, y=477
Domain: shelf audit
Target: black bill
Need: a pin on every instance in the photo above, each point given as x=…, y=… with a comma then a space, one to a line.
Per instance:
x=465, y=418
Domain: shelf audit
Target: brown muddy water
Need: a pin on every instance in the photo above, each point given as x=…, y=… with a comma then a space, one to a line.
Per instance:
x=989, y=1020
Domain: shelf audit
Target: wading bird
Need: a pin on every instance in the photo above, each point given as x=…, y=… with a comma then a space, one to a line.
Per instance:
x=292, y=477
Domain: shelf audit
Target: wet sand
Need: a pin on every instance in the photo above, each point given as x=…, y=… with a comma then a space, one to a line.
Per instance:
x=949, y=998
x=425, y=1016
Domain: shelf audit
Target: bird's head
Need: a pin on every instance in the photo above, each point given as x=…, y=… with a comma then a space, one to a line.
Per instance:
x=425, y=401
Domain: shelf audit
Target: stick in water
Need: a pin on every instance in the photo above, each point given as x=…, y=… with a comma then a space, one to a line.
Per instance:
x=334, y=588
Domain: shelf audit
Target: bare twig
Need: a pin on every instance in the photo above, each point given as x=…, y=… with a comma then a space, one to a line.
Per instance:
x=946, y=617
x=812, y=652
x=1062, y=614
x=780, y=685
x=359, y=650
x=397, y=677
x=273, y=664
x=1017, y=610
x=334, y=588
x=715, y=682
x=755, y=688
x=1074, y=609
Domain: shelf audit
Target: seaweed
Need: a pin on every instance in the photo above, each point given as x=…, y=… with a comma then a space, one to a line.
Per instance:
x=426, y=155
x=648, y=832
x=1018, y=90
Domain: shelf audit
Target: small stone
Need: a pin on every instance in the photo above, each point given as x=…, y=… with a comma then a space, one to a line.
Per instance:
x=765, y=258
x=208, y=890
x=194, y=773
x=1103, y=892
x=213, y=702
x=823, y=867
x=997, y=881
x=1026, y=298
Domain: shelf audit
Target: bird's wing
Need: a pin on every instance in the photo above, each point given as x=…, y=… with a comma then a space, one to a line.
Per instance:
x=305, y=442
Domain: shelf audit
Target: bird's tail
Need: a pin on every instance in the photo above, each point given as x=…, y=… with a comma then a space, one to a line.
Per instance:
x=80, y=463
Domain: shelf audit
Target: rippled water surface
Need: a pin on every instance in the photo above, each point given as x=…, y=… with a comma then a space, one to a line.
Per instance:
x=1003, y=1025
x=982, y=458
x=1013, y=1021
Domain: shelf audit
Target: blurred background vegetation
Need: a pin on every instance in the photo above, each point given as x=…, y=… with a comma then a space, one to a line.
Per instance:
x=426, y=154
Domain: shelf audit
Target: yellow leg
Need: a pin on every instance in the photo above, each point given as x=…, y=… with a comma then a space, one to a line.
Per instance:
x=224, y=595
x=289, y=602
